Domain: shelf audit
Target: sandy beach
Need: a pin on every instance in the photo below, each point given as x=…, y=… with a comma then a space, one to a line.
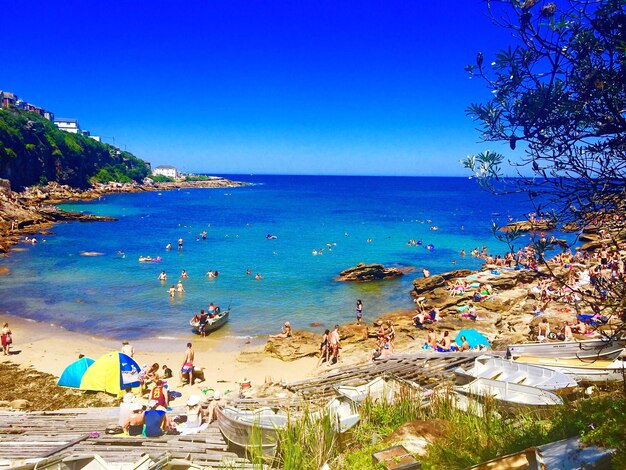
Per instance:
x=50, y=349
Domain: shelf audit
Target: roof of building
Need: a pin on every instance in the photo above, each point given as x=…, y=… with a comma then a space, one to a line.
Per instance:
x=66, y=120
x=165, y=167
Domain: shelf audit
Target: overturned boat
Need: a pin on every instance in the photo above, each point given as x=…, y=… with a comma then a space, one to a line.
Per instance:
x=497, y=368
x=592, y=348
x=591, y=370
x=512, y=396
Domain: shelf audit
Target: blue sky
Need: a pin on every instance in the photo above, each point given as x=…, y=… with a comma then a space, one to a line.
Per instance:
x=317, y=87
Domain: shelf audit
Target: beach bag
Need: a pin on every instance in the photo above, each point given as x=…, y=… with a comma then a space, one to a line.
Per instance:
x=9, y=340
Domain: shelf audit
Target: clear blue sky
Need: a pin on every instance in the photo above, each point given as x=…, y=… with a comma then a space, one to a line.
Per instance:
x=230, y=86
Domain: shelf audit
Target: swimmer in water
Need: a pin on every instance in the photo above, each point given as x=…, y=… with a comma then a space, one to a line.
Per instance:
x=179, y=287
x=184, y=274
x=162, y=276
x=258, y=276
x=168, y=246
x=172, y=290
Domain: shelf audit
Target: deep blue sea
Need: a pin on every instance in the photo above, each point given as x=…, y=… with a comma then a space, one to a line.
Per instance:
x=119, y=297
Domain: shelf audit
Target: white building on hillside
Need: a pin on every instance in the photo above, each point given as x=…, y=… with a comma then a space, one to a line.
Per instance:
x=166, y=170
x=67, y=125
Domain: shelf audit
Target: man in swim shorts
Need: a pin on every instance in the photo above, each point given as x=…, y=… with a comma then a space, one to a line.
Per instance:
x=187, y=367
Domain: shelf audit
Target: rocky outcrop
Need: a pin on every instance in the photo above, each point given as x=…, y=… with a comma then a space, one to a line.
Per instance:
x=530, y=226
x=426, y=284
x=300, y=344
x=368, y=272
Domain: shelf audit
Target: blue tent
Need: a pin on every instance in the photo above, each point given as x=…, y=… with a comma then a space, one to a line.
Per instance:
x=473, y=337
x=73, y=374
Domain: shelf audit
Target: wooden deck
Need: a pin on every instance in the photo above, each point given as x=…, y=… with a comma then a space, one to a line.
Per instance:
x=27, y=438
x=425, y=369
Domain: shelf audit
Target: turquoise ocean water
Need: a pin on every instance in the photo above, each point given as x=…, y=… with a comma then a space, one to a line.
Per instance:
x=119, y=297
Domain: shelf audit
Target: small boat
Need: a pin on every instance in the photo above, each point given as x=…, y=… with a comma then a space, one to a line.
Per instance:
x=497, y=368
x=591, y=348
x=512, y=396
x=600, y=370
x=252, y=429
x=260, y=428
x=212, y=323
x=377, y=389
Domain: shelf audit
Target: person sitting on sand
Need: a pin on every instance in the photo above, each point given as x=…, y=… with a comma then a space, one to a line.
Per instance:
x=193, y=412
x=133, y=425
x=431, y=338
x=375, y=354
x=217, y=402
x=285, y=333
x=567, y=332
x=150, y=375
x=167, y=372
x=543, y=330
x=156, y=421
x=386, y=351
x=464, y=346
x=160, y=394
x=580, y=327
x=443, y=345
x=419, y=320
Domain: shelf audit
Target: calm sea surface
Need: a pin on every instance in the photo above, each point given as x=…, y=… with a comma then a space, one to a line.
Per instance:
x=119, y=297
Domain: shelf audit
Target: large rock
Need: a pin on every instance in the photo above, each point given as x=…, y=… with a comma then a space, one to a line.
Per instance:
x=427, y=284
x=300, y=344
x=368, y=272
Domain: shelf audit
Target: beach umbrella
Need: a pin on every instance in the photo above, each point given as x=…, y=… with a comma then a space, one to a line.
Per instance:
x=112, y=373
x=73, y=374
x=474, y=338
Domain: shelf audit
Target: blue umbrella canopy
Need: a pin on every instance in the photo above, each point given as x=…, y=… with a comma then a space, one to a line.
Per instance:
x=73, y=374
x=474, y=338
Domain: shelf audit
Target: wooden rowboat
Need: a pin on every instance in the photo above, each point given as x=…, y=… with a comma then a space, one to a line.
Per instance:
x=497, y=368
x=212, y=324
x=592, y=348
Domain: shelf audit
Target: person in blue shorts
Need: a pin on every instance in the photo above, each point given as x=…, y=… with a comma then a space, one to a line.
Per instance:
x=156, y=421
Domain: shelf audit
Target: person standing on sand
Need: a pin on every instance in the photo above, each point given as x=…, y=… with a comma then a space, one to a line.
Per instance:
x=359, y=311
x=334, y=339
x=187, y=367
x=127, y=349
x=7, y=339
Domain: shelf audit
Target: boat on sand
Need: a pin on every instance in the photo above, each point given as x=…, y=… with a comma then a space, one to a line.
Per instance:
x=505, y=370
x=600, y=370
x=513, y=396
x=592, y=348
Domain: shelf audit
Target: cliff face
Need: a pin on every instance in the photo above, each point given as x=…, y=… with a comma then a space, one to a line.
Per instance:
x=33, y=151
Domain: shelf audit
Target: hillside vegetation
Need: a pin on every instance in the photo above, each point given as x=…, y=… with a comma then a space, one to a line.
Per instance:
x=33, y=151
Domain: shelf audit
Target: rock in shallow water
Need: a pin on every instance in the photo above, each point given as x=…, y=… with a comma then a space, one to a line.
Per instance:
x=368, y=272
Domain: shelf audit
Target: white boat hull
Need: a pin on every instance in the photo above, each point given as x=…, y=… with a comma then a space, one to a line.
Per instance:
x=593, y=348
x=497, y=368
x=581, y=371
x=512, y=396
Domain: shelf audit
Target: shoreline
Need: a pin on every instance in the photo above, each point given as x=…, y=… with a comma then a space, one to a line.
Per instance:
x=33, y=211
x=48, y=348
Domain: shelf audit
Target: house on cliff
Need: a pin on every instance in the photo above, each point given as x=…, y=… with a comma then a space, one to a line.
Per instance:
x=166, y=170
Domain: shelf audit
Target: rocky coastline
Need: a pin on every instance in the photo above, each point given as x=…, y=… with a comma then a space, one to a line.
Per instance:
x=33, y=210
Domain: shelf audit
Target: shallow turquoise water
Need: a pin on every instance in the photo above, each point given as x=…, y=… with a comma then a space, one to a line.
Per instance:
x=120, y=297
